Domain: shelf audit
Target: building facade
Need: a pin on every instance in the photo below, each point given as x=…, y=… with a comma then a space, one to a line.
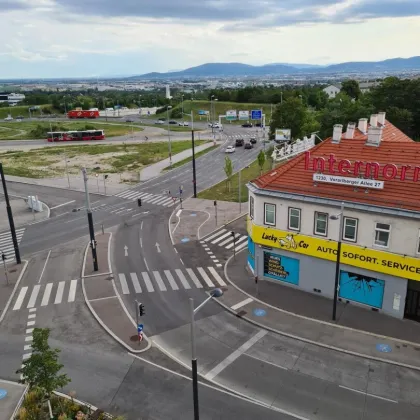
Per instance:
x=372, y=172
x=332, y=91
x=11, y=98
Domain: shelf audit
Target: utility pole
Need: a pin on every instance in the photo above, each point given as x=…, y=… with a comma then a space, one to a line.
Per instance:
x=67, y=170
x=239, y=191
x=10, y=216
x=90, y=222
x=193, y=155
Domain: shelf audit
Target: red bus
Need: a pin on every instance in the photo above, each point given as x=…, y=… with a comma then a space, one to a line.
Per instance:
x=78, y=113
x=75, y=135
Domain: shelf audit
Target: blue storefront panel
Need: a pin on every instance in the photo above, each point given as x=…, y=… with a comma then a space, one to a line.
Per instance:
x=362, y=289
x=251, y=253
x=278, y=267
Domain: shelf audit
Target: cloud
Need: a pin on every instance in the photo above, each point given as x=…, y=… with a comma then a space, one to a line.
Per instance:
x=11, y=5
x=389, y=8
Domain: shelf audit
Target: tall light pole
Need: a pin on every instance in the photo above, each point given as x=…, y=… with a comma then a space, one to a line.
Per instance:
x=10, y=216
x=90, y=222
x=182, y=108
x=169, y=136
x=337, y=263
x=215, y=293
x=193, y=152
x=211, y=114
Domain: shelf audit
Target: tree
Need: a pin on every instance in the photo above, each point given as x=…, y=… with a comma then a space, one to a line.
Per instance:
x=401, y=118
x=42, y=369
x=261, y=160
x=228, y=171
x=351, y=88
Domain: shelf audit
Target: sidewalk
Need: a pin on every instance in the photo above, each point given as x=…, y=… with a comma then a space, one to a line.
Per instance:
x=22, y=214
x=104, y=301
x=152, y=171
x=305, y=317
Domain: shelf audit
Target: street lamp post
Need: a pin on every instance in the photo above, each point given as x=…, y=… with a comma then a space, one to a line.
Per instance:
x=182, y=108
x=169, y=137
x=193, y=152
x=215, y=293
x=337, y=263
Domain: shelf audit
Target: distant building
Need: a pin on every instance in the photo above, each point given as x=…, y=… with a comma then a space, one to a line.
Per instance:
x=11, y=98
x=168, y=92
x=332, y=91
x=366, y=86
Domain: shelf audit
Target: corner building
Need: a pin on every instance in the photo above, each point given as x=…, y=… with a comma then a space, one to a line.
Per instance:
x=373, y=170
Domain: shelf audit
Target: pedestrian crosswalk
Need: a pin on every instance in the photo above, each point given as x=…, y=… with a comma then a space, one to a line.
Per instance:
x=224, y=238
x=6, y=243
x=162, y=281
x=158, y=199
x=45, y=294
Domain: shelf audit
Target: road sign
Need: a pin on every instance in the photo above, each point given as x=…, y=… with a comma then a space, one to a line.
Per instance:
x=139, y=328
x=256, y=114
x=244, y=115
x=231, y=115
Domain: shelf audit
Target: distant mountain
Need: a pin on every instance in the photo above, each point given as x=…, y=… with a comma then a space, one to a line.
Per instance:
x=240, y=69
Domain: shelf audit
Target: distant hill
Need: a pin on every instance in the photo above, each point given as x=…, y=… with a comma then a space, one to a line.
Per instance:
x=240, y=69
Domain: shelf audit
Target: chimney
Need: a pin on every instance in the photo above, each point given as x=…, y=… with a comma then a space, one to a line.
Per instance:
x=337, y=133
x=381, y=118
x=350, y=130
x=374, y=120
x=374, y=136
x=363, y=123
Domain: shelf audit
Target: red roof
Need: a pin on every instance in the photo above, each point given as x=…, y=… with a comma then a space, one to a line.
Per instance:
x=296, y=176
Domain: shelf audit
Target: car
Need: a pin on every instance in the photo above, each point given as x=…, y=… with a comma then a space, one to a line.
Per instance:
x=258, y=125
x=128, y=120
x=247, y=125
x=20, y=117
x=184, y=124
x=160, y=122
x=239, y=142
x=248, y=146
x=252, y=140
x=9, y=118
x=173, y=122
x=230, y=149
x=215, y=125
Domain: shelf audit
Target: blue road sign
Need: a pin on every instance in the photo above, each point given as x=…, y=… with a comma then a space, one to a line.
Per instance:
x=383, y=348
x=256, y=114
x=3, y=393
x=139, y=328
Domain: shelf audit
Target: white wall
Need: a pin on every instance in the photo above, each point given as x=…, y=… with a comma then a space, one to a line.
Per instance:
x=404, y=232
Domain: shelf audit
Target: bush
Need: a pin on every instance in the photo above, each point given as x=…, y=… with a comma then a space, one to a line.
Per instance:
x=176, y=113
x=161, y=110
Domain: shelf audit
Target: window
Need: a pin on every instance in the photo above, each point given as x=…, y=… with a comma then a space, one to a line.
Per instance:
x=350, y=229
x=321, y=223
x=270, y=214
x=294, y=219
x=382, y=233
x=251, y=207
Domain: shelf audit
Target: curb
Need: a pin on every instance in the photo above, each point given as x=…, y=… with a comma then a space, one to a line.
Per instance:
x=306, y=340
x=97, y=317
x=13, y=291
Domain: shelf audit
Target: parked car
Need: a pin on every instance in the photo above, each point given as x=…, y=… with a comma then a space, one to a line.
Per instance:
x=9, y=118
x=215, y=125
x=258, y=125
x=248, y=146
x=230, y=149
x=160, y=122
x=239, y=142
x=252, y=140
x=184, y=124
x=173, y=122
x=20, y=117
x=247, y=125
x=128, y=120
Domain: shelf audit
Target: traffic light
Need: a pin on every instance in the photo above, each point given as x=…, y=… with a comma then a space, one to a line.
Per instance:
x=3, y=256
x=139, y=202
x=141, y=309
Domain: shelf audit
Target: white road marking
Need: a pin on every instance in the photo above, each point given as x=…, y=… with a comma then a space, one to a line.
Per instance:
x=124, y=285
x=214, y=235
x=21, y=296
x=31, y=316
x=233, y=356
x=32, y=310
x=216, y=276
x=33, y=297
x=145, y=263
x=61, y=205
x=27, y=347
x=171, y=280
x=30, y=323
x=59, y=294
x=369, y=395
x=241, y=246
x=72, y=292
x=233, y=242
x=147, y=282
x=141, y=225
x=218, y=265
x=159, y=281
x=206, y=278
x=194, y=278
x=47, y=293
x=156, y=199
x=220, y=238
x=121, y=211
x=240, y=304
x=29, y=331
x=182, y=278
x=178, y=212
x=26, y=356
x=30, y=338
x=135, y=281
x=116, y=210
x=46, y=261
x=159, y=202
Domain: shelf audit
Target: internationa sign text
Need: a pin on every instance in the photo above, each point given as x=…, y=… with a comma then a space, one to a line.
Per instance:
x=369, y=259
x=360, y=168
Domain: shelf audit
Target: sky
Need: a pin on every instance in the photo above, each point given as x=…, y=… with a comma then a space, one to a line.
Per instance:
x=100, y=38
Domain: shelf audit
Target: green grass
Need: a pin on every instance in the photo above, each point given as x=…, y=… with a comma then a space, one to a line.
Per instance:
x=172, y=127
x=29, y=129
x=41, y=163
x=14, y=111
x=189, y=159
x=221, y=108
x=221, y=192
